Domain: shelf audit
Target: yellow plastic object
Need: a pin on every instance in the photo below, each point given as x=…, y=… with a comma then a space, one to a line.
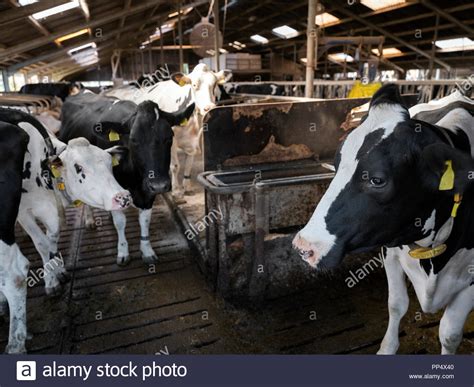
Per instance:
x=457, y=203
x=361, y=90
x=55, y=171
x=114, y=136
x=115, y=161
x=427, y=253
x=447, y=180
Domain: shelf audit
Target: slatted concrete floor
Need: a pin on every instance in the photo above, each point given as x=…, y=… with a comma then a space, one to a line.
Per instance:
x=168, y=307
x=111, y=309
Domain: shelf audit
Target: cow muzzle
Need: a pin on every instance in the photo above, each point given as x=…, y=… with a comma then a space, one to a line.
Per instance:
x=159, y=186
x=121, y=201
x=307, y=250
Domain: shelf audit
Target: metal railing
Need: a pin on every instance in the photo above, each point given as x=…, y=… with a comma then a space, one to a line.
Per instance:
x=427, y=90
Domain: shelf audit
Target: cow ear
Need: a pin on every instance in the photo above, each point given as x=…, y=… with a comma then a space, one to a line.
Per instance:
x=223, y=76
x=387, y=94
x=178, y=118
x=181, y=79
x=55, y=165
x=111, y=131
x=118, y=154
x=453, y=169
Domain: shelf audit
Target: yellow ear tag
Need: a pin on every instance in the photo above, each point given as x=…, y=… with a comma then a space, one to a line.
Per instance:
x=447, y=180
x=184, y=122
x=55, y=171
x=457, y=203
x=61, y=186
x=114, y=136
x=182, y=82
x=115, y=161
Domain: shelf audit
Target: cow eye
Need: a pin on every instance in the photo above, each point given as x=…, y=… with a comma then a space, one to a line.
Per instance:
x=377, y=182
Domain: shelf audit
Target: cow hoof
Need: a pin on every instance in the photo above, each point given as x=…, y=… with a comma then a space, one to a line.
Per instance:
x=15, y=350
x=123, y=261
x=63, y=277
x=151, y=259
x=54, y=291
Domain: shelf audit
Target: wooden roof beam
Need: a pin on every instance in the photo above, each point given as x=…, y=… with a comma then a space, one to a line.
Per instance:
x=14, y=15
x=393, y=37
x=38, y=42
x=447, y=16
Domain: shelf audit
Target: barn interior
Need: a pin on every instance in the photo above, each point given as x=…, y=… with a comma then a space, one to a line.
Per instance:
x=228, y=280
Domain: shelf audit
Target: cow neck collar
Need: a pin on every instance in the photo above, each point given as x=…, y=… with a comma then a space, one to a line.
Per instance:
x=438, y=244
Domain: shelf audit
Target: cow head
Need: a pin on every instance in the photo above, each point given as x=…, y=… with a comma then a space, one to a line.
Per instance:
x=87, y=174
x=386, y=186
x=203, y=82
x=147, y=138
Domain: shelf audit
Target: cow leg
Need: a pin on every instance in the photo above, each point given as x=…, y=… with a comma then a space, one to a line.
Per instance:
x=397, y=303
x=43, y=246
x=188, y=165
x=3, y=305
x=452, y=322
x=56, y=262
x=120, y=222
x=89, y=220
x=177, y=190
x=14, y=272
x=148, y=255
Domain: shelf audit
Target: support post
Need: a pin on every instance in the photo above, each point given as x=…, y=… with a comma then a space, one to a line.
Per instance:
x=180, y=32
x=162, y=52
x=6, y=85
x=310, y=42
x=215, y=11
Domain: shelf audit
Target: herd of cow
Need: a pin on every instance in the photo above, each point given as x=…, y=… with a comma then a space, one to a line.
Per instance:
x=404, y=180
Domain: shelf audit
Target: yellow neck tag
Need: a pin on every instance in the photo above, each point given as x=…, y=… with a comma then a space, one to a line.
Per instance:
x=61, y=186
x=447, y=180
x=114, y=136
x=55, y=171
x=115, y=161
x=77, y=203
x=427, y=253
x=184, y=122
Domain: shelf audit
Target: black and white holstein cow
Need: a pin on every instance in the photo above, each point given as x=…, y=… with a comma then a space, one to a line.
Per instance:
x=198, y=87
x=56, y=175
x=61, y=89
x=13, y=265
x=408, y=186
x=143, y=136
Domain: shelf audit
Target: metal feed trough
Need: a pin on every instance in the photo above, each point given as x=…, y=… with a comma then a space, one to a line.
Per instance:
x=266, y=166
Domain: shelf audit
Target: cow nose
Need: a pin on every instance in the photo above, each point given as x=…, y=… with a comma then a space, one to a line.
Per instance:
x=159, y=186
x=122, y=200
x=306, y=250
